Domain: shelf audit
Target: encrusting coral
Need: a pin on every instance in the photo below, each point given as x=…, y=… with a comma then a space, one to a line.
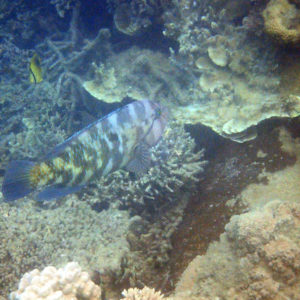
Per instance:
x=66, y=283
x=282, y=21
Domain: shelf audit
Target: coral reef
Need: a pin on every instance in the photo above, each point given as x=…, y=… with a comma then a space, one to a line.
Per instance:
x=281, y=19
x=51, y=283
x=257, y=257
x=135, y=17
x=223, y=71
x=237, y=72
x=14, y=62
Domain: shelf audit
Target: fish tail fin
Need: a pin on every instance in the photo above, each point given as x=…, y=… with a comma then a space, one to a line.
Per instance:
x=17, y=180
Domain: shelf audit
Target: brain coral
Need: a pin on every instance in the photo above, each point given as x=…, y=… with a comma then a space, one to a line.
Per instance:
x=282, y=21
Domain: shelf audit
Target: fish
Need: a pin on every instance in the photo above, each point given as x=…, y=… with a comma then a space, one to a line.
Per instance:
x=121, y=139
x=35, y=69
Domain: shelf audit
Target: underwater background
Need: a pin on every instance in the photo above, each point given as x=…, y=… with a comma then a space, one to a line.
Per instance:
x=217, y=215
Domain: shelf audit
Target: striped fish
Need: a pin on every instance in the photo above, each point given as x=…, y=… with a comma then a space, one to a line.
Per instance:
x=120, y=139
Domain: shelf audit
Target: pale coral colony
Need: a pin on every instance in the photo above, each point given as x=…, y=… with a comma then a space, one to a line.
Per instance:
x=216, y=215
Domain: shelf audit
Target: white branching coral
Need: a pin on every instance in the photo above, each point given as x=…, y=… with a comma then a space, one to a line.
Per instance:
x=68, y=283
x=144, y=294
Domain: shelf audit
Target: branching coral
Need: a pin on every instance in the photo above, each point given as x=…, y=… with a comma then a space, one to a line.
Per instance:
x=66, y=53
x=282, y=21
x=65, y=283
x=175, y=165
x=144, y=294
x=63, y=5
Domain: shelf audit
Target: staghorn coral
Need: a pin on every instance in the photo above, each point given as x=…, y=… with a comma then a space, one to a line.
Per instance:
x=66, y=53
x=258, y=257
x=66, y=283
x=144, y=294
x=175, y=166
x=282, y=21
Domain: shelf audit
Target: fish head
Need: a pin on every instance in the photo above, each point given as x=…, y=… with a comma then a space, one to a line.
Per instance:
x=159, y=117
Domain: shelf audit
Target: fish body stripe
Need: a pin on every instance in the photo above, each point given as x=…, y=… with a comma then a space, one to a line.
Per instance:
x=102, y=147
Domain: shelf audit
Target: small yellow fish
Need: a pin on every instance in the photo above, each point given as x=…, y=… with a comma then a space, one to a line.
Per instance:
x=35, y=69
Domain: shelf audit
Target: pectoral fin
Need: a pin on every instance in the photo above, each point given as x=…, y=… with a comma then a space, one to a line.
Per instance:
x=141, y=159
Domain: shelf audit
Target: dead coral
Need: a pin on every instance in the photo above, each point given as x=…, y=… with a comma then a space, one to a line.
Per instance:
x=282, y=21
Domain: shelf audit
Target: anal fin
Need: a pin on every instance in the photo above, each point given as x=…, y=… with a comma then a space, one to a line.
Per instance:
x=56, y=191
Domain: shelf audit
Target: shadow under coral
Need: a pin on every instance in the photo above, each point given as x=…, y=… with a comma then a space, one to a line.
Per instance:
x=232, y=167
